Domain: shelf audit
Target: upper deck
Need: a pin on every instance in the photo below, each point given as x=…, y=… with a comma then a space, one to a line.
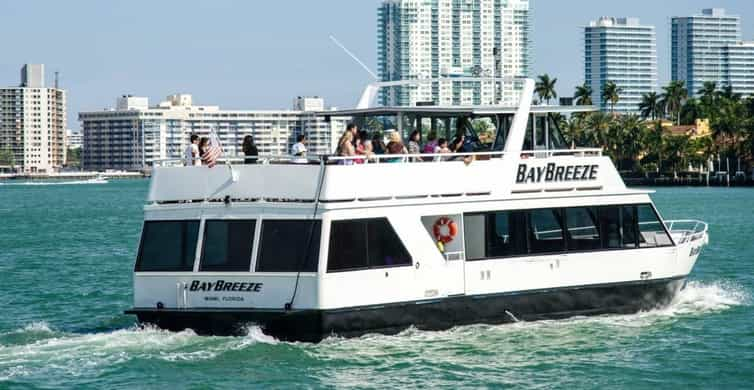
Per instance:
x=517, y=154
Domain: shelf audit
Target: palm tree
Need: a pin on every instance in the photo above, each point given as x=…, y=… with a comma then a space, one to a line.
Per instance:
x=583, y=95
x=545, y=88
x=596, y=128
x=673, y=97
x=707, y=98
x=650, y=106
x=611, y=93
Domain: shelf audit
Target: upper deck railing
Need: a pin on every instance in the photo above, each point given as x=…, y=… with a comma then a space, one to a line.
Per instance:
x=386, y=158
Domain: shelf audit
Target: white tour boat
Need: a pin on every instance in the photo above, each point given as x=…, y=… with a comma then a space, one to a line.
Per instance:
x=519, y=228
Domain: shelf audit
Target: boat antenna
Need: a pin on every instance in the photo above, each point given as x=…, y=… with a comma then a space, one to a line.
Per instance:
x=353, y=56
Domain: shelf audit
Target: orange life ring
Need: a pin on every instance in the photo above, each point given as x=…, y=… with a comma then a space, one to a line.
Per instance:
x=445, y=230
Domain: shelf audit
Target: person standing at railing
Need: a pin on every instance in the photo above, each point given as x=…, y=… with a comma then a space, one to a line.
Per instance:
x=413, y=144
x=346, y=148
x=441, y=148
x=191, y=154
x=203, y=147
x=395, y=146
x=250, y=151
x=378, y=144
x=299, y=149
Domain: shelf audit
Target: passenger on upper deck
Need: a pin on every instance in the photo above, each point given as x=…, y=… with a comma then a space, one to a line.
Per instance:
x=203, y=147
x=432, y=142
x=345, y=148
x=442, y=147
x=413, y=144
x=250, y=151
x=191, y=154
x=378, y=144
x=395, y=146
x=354, y=130
x=299, y=149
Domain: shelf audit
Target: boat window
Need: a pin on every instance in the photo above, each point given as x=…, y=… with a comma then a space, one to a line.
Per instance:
x=227, y=245
x=582, y=229
x=629, y=226
x=651, y=231
x=365, y=243
x=167, y=246
x=289, y=246
x=546, y=231
x=474, y=235
x=486, y=132
x=610, y=226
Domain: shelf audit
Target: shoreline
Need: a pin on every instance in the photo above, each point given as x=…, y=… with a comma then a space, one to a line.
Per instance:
x=72, y=176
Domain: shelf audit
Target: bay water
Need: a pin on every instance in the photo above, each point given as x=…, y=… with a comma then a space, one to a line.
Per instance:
x=66, y=257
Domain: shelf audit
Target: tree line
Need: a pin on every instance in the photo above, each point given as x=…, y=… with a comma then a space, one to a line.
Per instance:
x=638, y=142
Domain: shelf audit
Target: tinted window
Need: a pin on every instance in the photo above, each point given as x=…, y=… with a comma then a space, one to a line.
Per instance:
x=629, y=227
x=365, y=243
x=546, y=231
x=582, y=229
x=506, y=233
x=227, y=245
x=651, y=230
x=610, y=226
x=384, y=247
x=168, y=246
x=289, y=246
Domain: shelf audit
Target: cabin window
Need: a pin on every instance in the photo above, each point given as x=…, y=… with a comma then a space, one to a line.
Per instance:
x=495, y=234
x=582, y=229
x=167, y=246
x=227, y=245
x=651, y=230
x=364, y=244
x=546, y=231
x=575, y=229
x=289, y=246
x=629, y=226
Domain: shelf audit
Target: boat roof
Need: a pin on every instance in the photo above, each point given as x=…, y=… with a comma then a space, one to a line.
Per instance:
x=453, y=110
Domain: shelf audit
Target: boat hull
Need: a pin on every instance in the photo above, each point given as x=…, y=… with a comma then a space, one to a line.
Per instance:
x=438, y=314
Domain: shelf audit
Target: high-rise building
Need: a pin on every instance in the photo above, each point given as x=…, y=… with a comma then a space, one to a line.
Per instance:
x=700, y=45
x=419, y=39
x=33, y=123
x=134, y=135
x=622, y=51
x=738, y=67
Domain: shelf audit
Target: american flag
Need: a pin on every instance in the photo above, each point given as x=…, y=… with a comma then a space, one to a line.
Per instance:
x=214, y=151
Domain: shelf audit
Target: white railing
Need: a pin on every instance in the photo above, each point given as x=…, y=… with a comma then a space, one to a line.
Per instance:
x=378, y=158
x=686, y=230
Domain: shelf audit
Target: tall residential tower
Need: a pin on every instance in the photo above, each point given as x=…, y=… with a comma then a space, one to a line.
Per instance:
x=420, y=39
x=624, y=52
x=708, y=47
x=32, y=123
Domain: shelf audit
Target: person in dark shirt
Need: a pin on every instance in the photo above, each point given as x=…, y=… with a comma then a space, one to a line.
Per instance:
x=250, y=151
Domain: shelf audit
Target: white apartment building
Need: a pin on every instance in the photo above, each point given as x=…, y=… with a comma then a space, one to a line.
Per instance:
x=33, y=122
x=622, y=51
x=420, y=39
x=133, y=135
x=708, y=47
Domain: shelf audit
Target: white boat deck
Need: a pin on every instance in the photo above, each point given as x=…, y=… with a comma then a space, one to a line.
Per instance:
x=342, y=179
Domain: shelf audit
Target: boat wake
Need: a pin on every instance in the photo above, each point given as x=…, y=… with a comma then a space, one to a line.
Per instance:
x=39, y=350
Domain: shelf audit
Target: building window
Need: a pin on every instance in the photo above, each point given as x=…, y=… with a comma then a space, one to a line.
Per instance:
x=289, y=246
x=365, y=244
x=167, y=246
x=227, y=245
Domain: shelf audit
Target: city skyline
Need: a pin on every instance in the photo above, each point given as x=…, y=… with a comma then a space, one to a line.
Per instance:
x=258, y=57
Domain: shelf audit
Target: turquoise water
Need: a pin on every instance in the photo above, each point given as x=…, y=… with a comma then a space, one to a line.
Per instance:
x=66, y=254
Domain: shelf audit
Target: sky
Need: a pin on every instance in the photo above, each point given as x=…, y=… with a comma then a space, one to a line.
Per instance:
x=256, y=54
